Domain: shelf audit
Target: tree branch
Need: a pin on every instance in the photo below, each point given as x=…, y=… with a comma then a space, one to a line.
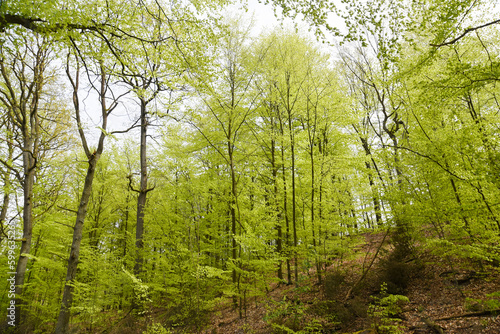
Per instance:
x=466, y=31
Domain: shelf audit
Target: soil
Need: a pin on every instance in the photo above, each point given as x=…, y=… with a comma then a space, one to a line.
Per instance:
x=446, y=295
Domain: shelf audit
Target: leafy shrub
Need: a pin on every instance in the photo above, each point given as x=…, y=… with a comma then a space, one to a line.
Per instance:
x=384, y=311
x=339, y=313
x=156, y=328
x=478, y=305
x=285, y=317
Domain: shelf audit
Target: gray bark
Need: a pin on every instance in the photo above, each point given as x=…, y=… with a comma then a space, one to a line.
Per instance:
x=62, y=325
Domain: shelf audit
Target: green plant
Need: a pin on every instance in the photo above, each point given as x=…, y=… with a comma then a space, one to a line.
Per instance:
x=313, y=326
x=384, y=311
x=157, y=328
x=141, y=290
x=478, y=305
x=247, y=328
x=285, y=316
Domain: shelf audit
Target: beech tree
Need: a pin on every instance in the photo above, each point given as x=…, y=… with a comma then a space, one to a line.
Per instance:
x=24, y=71
x=230, y=101
x=93, y=156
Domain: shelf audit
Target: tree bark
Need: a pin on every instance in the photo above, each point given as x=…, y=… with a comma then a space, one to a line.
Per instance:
x=29, y=165
x=22, y=98
x=141, y=200
x=6, y=181
x=67, y=300
x=93, y=157
x=279, y=239
x=294, y=204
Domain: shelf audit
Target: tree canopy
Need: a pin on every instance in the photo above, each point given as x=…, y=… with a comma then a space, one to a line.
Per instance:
x=158, y=159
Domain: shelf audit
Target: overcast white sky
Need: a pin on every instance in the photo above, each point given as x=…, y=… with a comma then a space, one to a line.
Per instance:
x=264, y=20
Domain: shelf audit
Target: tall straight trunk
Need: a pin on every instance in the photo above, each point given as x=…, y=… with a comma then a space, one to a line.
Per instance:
x=322, y=143
x=6, y=178
x=287, y=220
x=232, y=202
x=320, y=216
x=143, y=190
x=313, y=228
x=279, y=239
x=21, y=98
x=294, y=204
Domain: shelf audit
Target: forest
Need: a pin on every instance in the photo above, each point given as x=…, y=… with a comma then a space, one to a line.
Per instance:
x=164, y=164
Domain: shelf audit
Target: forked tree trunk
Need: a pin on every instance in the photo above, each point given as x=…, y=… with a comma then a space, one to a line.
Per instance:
x=93, y=157
x=22, y=97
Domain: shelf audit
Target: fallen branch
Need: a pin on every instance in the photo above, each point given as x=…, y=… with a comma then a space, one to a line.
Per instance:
x=433, y=326
x=471, y=314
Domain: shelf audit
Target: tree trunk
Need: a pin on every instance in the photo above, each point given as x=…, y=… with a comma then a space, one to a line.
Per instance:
x=287, y=220
x=141, y=200
x=6, y=183
x=279, y=240
x=294, y=204
x=93, y=157
x=64, y=314
x=375, y=196
x=232, y=202
x=29, y=165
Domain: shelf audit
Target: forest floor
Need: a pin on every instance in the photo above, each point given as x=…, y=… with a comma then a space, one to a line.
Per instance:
x=446, y=295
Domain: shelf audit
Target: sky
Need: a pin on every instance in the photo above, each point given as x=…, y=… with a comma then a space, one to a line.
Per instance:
x=264, y=20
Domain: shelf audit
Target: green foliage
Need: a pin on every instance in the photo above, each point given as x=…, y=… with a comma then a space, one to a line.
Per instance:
x=285, y=315
x=141, y=292
x=492, y=303
x=157, y=328
x=384, y=310
x=270, y=155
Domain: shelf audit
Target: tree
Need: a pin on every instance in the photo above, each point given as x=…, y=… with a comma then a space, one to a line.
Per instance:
x=24, y=71
x=289, y=69
x=93, y=156
x=8, y=140
x=230, y=103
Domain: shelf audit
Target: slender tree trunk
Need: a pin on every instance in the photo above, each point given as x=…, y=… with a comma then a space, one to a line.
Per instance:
x=64, y=314
x=5, y=203
x=313, y=228
x=6, y=181
x=375, y=197
x=22, y=99
x=287, y=220
x=93, y=157
x=279, y=240
x=294, y=204
x=234, y=246
x=141, y=199
x=29, y=165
